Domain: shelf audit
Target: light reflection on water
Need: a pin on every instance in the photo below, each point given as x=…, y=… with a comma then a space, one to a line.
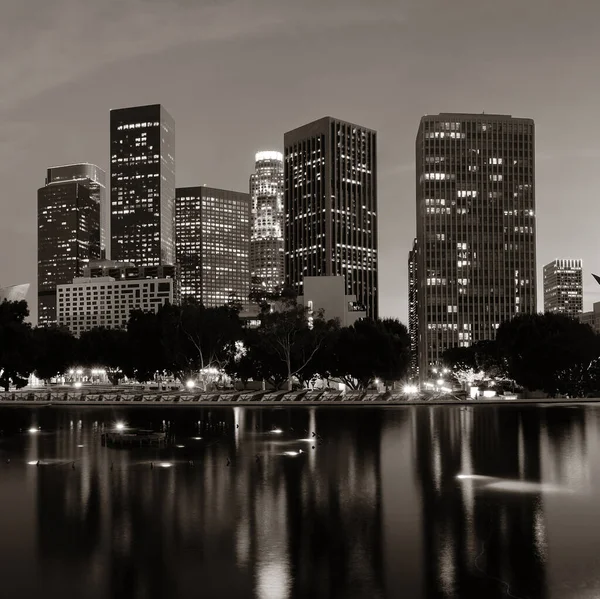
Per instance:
x=419, y=502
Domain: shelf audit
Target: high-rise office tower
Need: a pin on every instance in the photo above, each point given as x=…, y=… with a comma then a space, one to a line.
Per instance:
x=68, y=234
x=330, y=204
x=413, y=316
x=142, y=182
x=96, y=181
x=563, y=287
x=475, y=228
x=213, y=245
x=266, y=242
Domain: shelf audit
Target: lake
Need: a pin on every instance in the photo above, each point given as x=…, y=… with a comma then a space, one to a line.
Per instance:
x=413, y=502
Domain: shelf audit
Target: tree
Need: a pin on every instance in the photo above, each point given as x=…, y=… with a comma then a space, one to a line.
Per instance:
x=54, y=351
x=370, y=349
x=463, y=364
x=16, y=344
x=547, y=352
x=288, y=340
x=108, y=348
x=144, y=343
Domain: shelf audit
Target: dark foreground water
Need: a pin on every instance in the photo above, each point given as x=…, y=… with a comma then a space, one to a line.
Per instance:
x=414, y=502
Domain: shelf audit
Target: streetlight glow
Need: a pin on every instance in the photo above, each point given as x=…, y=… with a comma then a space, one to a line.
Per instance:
x=120, y=426
x=190, y=384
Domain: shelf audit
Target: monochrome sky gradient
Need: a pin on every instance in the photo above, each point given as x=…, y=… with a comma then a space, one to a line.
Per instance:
x=237, y=74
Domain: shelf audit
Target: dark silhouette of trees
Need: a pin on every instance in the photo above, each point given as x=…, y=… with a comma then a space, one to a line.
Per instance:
x=16, y=345
x=109, y=349
x=55, y=349
x=549, y=352
x=369, y=350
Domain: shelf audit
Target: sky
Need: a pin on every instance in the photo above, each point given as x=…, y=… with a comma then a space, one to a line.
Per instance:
x=237, y=74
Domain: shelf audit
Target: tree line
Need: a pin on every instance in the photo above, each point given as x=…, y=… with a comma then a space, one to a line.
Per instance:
x=552, y=353
x=187, y=341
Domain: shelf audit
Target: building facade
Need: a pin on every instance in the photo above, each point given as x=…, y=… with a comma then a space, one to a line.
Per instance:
x=125, y=271
x=142, y=178
x=69, y=236
x=87, y=303
x=329, y=294
x=266, y=242
x=475, y=228
x=330, y=200
x=563, y=287
x=413, y=316
x=213, y=245
x=591, y=318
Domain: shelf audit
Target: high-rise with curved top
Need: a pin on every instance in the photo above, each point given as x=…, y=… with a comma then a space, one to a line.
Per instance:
x=266, y=245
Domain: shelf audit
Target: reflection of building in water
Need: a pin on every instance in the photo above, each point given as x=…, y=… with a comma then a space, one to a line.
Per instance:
x=565, y=445
x=467, y=529
x=275, y=527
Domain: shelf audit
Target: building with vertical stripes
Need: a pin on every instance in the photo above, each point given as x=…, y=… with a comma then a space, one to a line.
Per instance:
x=330, y=199
x=142, y=184
x=476, y=234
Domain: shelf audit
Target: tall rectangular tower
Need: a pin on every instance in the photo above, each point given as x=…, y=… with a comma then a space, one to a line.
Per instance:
x=330, y=199
x=68, y=235
x=563, y=287
x=266, y=243
x=213, y=245
x=475, y=228
x=413, y=306
x=142, y=179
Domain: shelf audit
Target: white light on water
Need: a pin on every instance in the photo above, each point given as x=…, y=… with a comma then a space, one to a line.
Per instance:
x=165, y=464
x=32, y=463
x=80, y=446
x=277, y=431
x=293, y=453
x=197, y=438
x=179, y=446
x=34, y=430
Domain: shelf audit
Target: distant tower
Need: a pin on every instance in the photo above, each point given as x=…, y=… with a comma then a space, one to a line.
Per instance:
x=331, y=207
x=213, y=245
x=266, y=245
x=475, y=228
x=563, y=287
x=96, y=180
x=142, y=147
x=413, y=306
x=68, y=232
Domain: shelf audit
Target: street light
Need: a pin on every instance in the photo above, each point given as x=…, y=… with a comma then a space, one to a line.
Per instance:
x=120, y=426
x=410, y=389
x=190, y=384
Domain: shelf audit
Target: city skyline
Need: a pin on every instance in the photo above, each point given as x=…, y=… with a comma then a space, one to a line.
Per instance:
x=74, y=104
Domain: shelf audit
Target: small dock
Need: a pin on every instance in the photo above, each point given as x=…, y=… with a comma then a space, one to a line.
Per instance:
x=133, y=438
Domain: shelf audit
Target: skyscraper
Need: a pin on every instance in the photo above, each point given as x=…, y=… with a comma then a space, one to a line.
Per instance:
x=213, y=244
x=330, y=203
x=266, y=243
x=96, y=178
x=142, y=147
x=563, y=287
x=413, y=317
x=475, y=228
x=68, y=234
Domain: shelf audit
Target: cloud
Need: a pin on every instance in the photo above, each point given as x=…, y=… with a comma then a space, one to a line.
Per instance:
x=46, y=44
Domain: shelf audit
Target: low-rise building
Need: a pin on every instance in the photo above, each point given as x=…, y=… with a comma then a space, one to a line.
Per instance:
x=592, y=318
x=328, y=293
x=91, y=302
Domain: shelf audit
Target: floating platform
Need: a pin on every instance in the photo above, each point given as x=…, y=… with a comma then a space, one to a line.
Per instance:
x=133, y=438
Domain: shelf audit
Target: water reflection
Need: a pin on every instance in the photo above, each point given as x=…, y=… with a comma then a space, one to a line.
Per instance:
x=420, y=502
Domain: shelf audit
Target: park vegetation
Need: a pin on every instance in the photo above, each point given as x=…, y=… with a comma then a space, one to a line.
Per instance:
x=291, y=348
x=551, y=353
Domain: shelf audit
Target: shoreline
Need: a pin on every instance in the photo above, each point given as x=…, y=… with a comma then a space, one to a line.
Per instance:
x=257, y=399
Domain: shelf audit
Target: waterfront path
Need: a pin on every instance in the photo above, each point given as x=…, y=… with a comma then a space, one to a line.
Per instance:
x=279, y=398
